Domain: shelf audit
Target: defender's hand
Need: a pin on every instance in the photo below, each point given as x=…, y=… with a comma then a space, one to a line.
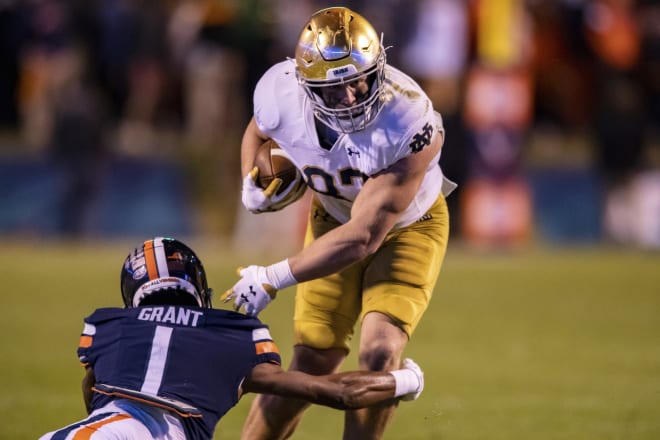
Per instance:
x=257, y=200
x=252, y=291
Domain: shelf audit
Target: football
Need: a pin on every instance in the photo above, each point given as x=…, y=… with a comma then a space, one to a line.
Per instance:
x=273, y=162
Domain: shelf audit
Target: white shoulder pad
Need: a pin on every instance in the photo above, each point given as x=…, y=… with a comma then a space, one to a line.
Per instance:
x=270, y=94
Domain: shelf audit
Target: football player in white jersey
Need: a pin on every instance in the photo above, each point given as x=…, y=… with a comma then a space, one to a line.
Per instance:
x=367, y=141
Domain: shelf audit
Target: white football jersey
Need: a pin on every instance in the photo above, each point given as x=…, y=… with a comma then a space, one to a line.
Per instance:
x=405, y=125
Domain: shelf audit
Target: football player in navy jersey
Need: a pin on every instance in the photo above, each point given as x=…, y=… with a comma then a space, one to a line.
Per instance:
x=169, y=366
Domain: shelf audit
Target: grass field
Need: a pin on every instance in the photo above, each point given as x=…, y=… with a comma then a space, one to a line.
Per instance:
x=529, y=345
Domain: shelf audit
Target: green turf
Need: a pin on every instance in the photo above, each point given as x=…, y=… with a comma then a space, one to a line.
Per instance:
x=538, y=344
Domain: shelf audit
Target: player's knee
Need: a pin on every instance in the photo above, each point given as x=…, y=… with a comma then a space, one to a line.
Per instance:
x=380, y=356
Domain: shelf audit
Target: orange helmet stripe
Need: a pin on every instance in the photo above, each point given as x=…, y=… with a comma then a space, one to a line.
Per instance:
x=154, y=255
x=150, y=259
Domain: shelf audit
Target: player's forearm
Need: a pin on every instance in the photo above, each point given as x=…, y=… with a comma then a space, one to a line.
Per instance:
x=375, y=212
x=347, y=390
x=330, y=253
x=369, y=388
x=351, y=390
x=362, y=389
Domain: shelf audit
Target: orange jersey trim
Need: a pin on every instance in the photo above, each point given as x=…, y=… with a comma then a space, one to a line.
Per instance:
x=266, y=347
x=85, y=341
x=86, y=432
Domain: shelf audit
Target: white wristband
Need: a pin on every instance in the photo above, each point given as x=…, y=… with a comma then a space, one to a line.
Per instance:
x=279, y=275
x=406, y=382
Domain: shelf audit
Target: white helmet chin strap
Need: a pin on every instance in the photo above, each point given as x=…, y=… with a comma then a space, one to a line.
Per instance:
x=157, y=284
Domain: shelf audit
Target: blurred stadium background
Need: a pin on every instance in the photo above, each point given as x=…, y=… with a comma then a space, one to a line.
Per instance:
x=121, y=119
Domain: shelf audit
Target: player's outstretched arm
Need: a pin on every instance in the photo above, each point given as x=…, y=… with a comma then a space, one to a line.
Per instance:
x=349, y=390
x=382, y=200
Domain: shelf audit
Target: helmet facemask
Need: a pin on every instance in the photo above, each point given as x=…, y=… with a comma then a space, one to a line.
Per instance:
x=356, y=117
x=336, y=48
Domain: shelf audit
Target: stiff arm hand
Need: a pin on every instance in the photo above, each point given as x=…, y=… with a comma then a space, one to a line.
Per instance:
x=258, y=286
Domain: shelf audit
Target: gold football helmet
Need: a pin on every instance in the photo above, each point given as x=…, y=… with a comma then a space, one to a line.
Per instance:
x=336, y=47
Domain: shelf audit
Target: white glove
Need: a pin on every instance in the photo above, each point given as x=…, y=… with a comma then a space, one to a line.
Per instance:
x=257, y=200
x=411, y=365
x=252, y=291
x=409, y=380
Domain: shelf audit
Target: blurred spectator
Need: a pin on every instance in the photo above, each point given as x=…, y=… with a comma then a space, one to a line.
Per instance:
x=613, y=35
x=395, y=19
x=220, y=48
x=144, y=113
x=212, y=70
x=45, y=63
x=287, y=18
x=130, y=60
x=437, y=57
x=619, y=35
x=11, y=32
x=79, y=150
x=496, y=202
x=61, y=111
x=649, y=14
x=561, y=69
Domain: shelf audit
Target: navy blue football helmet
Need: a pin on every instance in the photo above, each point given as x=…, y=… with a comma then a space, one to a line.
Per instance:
x=164, y=271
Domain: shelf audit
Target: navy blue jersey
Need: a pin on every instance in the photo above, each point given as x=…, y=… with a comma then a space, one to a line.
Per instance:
x=196, y=357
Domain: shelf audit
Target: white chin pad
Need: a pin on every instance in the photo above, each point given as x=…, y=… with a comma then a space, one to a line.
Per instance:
x=164, y=283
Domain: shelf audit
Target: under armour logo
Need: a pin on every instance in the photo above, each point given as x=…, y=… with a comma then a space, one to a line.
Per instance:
x=352, y=152
x=244, y=296
x=322, y=214
x=421, y=139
